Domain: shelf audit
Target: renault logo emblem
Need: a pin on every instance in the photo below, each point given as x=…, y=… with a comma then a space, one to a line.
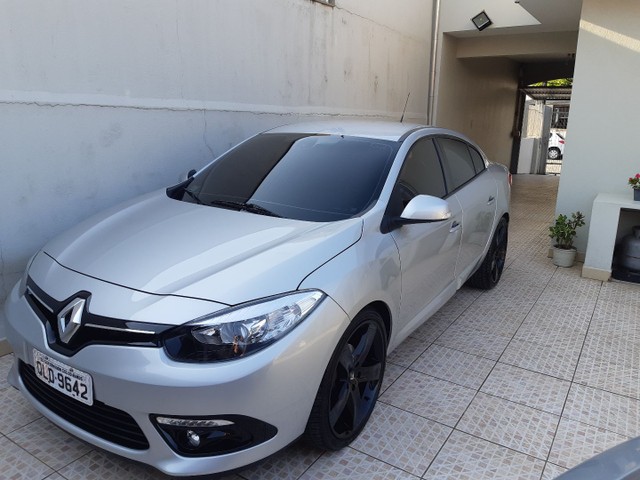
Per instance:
x=70, y=319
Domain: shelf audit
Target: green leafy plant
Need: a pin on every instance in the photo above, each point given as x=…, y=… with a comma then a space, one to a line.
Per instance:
x=563, y=231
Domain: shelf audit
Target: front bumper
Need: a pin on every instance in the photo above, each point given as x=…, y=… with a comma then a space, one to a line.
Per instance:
x=277, y=386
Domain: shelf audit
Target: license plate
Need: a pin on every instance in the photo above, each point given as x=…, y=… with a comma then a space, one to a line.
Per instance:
x=72, y=382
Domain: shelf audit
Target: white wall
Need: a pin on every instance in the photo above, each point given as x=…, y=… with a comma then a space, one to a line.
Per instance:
x=477, y=96
x=104, y=100
x=601, y=152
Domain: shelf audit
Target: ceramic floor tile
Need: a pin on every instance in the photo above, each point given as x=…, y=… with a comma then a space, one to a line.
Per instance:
x=616, y=313
x=613, y=348
x=552, y=471
x=55, y=476
x=435, y=326
x=49, y=444
x=551, y=336
x=576, y=442
x=516, y=298
x=287, y=464
x=614, y=328
x=528, y=388
x=521, y=428
x=559, y=315
x=100, y=465
x=560, y=363
x=623, y=379
x=618, y=293
x=391, y=374
x=406, y=353
x=17, y=464
x=16, y=411
x=569, y=285
x=5, y=365
x=401, y=439
x=429, y=397
x=474, y=341
x=465, y=457
x=354, y=465
x=491, y=320
x=607, y=410
x=454, y=366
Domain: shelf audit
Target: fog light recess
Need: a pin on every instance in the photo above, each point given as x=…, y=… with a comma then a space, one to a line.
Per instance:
x=210, y=436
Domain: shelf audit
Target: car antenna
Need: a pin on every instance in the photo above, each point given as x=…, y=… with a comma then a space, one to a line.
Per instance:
x=405, y=107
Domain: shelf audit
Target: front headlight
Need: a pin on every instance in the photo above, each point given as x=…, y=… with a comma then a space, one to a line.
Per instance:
x=240, y=331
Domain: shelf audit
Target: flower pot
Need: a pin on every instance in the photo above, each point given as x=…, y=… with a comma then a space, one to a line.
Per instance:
x=636, y=194
x=563, y=257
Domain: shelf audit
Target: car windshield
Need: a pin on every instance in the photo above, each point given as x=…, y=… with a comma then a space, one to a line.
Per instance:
x=300, y=176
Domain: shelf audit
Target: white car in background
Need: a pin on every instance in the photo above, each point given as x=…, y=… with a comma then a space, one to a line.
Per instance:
x=556, y=146
x=203, y=327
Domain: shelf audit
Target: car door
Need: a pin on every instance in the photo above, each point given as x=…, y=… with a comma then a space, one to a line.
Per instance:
x=476, y=191
x=428, y=251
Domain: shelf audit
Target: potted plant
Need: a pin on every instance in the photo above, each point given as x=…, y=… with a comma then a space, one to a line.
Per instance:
x=634, y=182
x=563, y=232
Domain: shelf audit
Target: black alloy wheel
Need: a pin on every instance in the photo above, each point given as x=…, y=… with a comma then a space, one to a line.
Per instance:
x=490, y=271
x=351, y=383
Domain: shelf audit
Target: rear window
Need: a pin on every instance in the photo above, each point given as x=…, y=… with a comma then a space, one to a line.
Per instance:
x=306, y=177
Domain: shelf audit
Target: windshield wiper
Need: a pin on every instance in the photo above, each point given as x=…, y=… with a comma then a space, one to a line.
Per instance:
x=248, y=207
x=253, y=208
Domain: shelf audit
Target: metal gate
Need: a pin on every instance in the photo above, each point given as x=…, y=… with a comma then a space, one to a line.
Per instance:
x=545, y=123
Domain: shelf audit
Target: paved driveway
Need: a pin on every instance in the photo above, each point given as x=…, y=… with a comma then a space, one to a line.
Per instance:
x=520, y=382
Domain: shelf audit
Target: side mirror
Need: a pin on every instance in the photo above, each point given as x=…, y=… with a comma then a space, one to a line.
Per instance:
x=421, y=209
x=425, y=208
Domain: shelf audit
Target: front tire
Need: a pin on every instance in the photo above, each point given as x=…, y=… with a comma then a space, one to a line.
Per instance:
x=554, y=153
x=490, y=271
x=351, y=383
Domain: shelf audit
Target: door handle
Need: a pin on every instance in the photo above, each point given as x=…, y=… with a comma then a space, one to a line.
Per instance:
x=491, y=199
x=454, y=226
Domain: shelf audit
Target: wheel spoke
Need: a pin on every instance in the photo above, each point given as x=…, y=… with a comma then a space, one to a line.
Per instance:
x=361, y=351
x=346, y=357
x=357, y=408
x=338, y=409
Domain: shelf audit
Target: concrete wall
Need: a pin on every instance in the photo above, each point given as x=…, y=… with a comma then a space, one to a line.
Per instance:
x=604, y=107
x=103, y=100
x=477, y=96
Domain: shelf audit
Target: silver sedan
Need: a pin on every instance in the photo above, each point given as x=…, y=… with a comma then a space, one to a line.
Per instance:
x=203, y=327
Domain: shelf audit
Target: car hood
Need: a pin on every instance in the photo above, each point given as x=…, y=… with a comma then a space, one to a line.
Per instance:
x=163, y=246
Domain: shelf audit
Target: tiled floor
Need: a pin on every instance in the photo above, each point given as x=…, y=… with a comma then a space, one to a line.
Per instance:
x=521, y=382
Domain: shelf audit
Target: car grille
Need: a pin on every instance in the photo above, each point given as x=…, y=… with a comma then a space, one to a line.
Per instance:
x=95, y=329
x=99, y=419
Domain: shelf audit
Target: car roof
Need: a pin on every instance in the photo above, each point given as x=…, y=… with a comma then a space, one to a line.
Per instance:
x=383, y=130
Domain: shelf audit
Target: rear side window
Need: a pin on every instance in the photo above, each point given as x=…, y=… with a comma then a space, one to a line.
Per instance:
x=478, y=162
x=458, y=165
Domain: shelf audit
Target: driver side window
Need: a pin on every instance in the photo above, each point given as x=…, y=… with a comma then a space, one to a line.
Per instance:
x=421, y=174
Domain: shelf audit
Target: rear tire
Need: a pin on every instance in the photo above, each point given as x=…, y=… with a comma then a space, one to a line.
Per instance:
x=490, y=271
x=350, y=385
